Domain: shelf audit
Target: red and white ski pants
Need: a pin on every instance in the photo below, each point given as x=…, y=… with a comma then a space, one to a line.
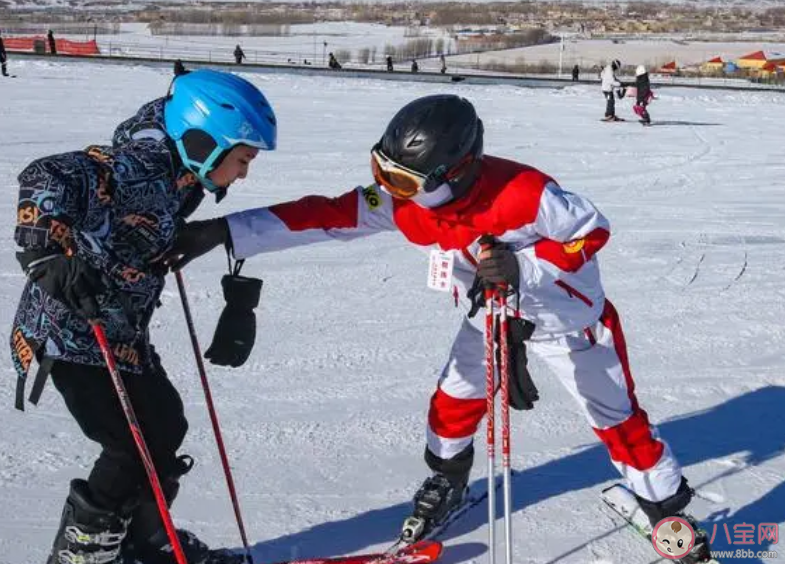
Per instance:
x=592, y=364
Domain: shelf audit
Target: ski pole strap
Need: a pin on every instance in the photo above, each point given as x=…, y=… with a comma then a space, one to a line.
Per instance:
x=234, y=269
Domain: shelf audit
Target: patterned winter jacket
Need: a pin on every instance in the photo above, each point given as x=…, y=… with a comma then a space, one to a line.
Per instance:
x=117, y=209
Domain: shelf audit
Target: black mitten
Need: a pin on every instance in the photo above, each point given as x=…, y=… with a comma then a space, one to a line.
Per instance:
x=236, y=331
x=523, y=392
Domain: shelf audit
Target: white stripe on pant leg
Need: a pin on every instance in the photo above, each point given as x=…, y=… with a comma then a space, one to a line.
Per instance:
x=446, y=448
x=657, y=483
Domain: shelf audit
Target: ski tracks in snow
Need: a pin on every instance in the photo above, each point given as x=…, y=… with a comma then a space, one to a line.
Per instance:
x=711, y=263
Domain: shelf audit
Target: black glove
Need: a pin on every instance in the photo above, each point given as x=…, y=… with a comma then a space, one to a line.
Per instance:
x=236, y=331
x=195, y=239
x=499, y=266
x=67, y=279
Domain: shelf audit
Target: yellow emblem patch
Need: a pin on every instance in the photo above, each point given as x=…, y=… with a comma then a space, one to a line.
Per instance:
x=574, y=246
x=371, y=197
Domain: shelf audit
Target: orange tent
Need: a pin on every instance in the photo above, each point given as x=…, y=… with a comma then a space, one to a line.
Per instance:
x=669, y=67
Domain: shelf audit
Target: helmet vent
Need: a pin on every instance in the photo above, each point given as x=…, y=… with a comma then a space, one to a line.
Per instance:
x=227, y=106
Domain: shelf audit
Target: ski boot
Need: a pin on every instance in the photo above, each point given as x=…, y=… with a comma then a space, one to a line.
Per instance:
x=87, y=533
x=674, y=507
x=147, y=541
x=434, y=502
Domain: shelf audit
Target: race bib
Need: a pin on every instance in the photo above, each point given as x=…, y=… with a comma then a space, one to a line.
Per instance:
x=440, y=271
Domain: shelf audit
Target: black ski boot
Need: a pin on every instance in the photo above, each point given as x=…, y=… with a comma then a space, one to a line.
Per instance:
x=148, y=543
x=439, y=495
x=434, y=502
x=674, y=507
x=88, y=533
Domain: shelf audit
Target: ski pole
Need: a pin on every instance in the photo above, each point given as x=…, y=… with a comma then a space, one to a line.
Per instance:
x=486, y=242
x=141, y=445
x=213, y=414
x=504, y=389
x=490, y=438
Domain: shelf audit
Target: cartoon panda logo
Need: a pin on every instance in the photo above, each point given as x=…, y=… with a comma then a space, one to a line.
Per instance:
x=673, y=537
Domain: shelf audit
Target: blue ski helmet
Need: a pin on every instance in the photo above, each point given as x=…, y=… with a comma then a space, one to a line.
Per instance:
x=207, y=113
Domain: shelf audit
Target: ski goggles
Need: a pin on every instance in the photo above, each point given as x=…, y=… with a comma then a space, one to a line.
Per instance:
x=397, y=180
x=405, y=183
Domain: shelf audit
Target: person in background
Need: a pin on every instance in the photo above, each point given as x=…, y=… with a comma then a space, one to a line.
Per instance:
x=179, y=68
x=3, y=56
x=643, y=95
x=610, y=85
x=239, y=55
x=415, y=66
x=576, y=73
x=50, y=37
x=444, y=64
x=333, y=63
x=389, y=63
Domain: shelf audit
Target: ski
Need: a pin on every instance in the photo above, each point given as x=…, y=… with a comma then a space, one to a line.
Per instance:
x=622, y=501
x=422, y=552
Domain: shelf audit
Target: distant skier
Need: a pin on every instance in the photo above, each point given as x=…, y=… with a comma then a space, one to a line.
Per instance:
x=435, y=185
x=89, y=254
x=643, y=95
x=610, y=87
x=239, y=55
x=3, y=56
x=576, y=73
x=443, y=61
x=389, y=64
x=415, y=66
x=333, y=62
x=50, y=37
x=179, y=68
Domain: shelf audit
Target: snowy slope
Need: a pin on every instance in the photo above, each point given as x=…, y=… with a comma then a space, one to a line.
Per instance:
x=325, y=423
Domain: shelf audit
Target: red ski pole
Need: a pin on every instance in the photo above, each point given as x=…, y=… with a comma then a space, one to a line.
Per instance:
x=504, y=389
x=141, y=445
x=213, y=414
x=486, y=242
x=490, y=420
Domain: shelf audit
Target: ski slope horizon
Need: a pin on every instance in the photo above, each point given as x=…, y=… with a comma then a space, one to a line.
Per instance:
x=325, y=424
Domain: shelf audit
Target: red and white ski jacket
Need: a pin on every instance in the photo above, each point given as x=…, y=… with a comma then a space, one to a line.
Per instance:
x=556, y=235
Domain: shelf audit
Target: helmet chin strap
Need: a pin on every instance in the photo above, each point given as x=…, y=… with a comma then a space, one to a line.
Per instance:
x=201, y=170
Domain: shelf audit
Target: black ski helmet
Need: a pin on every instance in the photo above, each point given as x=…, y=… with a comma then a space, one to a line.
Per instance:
x=433, y=135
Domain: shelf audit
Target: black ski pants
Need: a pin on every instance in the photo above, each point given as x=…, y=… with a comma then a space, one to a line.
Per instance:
x=610, y=104
x=118, y=475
